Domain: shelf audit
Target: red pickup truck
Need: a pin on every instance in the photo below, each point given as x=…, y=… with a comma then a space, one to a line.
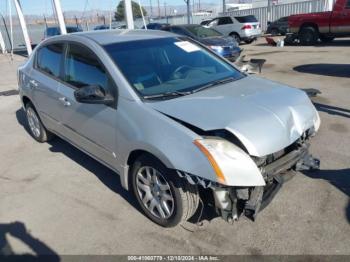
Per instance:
x=324, y=25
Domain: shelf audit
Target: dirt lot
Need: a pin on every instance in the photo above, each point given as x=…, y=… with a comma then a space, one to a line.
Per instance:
x=70, y=204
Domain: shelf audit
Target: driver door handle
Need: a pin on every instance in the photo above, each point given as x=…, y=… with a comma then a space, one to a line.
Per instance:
x=64, y=101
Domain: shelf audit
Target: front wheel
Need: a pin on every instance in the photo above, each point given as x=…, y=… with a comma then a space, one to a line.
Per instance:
x=249, y=41
x=164, y=197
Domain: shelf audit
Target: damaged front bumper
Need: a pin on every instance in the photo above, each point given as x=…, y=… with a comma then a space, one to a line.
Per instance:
x=232, y=202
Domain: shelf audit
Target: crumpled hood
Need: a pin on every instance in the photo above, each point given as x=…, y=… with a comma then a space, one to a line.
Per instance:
x=265, y=116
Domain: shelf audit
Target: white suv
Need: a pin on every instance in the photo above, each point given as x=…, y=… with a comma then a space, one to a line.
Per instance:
x=242, y=28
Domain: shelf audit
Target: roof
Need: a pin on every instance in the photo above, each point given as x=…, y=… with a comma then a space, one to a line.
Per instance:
x=105, y=37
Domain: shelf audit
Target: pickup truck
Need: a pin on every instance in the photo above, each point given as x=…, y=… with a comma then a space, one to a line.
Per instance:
x=323, y=25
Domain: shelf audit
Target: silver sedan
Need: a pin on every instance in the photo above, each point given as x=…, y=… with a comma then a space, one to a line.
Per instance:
x=179, y=124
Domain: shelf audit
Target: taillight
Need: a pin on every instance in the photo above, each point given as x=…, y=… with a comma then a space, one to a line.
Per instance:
x=245, y=27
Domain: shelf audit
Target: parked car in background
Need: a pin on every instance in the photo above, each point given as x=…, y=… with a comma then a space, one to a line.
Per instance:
x=222, y=45
x=55, y=30
x=171, y=118
x=155, y=26
x=242, y=28
x=278, y=27
x=104, y=27
x=326, y=26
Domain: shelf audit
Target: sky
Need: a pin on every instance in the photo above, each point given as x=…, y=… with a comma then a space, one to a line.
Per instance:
x=39, y=7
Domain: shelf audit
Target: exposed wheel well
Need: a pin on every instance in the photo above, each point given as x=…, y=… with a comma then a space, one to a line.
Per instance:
x=315, y=26
x=26, y=100
x=132, y=158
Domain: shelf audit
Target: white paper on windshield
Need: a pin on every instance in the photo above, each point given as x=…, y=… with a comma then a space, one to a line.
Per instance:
x=187, y=46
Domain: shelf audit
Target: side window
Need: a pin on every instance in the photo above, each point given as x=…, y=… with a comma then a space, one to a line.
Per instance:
x=348, y=4
x=225, y=20
x=213, y=23
x=82, y=68
x=49, y=59
x=178, y=31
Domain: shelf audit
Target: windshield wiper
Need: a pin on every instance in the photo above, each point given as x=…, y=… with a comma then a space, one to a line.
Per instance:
x=214, y=83
x=168, y=94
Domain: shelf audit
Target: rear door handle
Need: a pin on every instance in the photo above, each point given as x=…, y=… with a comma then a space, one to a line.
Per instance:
x=64, y=101
x=33, y=83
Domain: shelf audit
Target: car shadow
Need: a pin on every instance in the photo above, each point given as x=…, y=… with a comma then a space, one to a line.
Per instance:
x=18, y=230
x=338, y=178
x=108, y=177
x=335, y=70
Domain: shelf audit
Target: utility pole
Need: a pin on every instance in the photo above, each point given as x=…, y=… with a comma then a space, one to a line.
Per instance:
x=158, y=9
x=150, y=5
x=128, y=14
x=269, y=7
x=224, y=6
x=165, y=12
x=188, y=11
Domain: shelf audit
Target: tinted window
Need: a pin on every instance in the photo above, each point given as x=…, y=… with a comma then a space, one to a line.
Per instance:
x=246, y=19
x=348, y=4
x=225, y=20
x=82, y=68
x=74, y=29
x=163, y=65
x=49, y=59
x=203, y=32
x=178, y=30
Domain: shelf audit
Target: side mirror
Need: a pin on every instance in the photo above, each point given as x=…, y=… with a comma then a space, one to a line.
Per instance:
x=268, y=22
x=93, y=94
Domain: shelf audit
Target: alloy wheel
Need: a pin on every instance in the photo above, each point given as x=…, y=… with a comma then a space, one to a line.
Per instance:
x=154, y=192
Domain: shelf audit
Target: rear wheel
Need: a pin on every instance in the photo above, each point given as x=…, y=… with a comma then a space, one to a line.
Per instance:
x=308, y=36
x=164, y=197
x=326, y=39
x=36, y=127
x=236, y=37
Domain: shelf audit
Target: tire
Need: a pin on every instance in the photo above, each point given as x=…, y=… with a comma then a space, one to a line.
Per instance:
x=249, y=41
x=274, y=32
x=36, y=127
x=308, y=36
x=236, y=37
x=326, y=39
x=184, y=197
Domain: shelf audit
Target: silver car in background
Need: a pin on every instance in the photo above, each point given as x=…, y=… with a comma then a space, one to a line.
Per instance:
x=178, y=123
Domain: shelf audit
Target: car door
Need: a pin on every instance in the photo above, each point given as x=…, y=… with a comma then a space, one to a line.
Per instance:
x=340, y=20
x=224, y=25
x=44, y=80
x=89, y=126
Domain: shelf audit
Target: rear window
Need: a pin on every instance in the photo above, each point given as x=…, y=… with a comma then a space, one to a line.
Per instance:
x=49, y=59
x=246, y=19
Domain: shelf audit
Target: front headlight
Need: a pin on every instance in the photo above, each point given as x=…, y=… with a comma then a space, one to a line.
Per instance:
x=216, y=48
x=231, y=164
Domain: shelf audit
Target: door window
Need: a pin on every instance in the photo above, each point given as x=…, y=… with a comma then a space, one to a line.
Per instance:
x=348, y=4
x=225, y=20
x=49, y=59
x=82, y=68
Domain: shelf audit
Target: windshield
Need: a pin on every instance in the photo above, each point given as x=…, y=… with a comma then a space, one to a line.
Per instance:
x=166, y=65
x=203, y=32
